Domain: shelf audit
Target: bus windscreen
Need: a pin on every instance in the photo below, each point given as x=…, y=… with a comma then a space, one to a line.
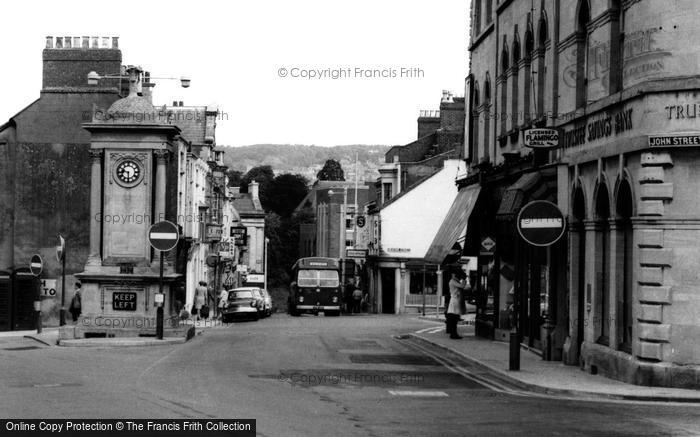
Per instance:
x=318, y=278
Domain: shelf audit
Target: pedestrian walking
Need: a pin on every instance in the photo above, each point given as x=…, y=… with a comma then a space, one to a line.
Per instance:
x=200, y=298
x=76, y=303
x=357, y=300
x=456, y=307
x=223, y=300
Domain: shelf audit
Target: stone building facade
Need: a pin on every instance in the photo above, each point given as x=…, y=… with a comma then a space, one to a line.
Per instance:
x=618, y=80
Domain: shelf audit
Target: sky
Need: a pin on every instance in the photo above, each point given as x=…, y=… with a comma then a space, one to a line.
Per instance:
x=376, y=62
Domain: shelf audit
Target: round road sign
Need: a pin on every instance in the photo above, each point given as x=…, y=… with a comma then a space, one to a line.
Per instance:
x=163, y=236
x=36, y=265
x=541, y=223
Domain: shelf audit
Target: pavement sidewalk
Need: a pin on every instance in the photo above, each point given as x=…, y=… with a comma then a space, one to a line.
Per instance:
x=548, y=377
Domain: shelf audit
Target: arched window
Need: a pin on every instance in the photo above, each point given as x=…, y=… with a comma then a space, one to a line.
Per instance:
x=487, y=115
x=514, y=113
x=489, y=11
x=578, y=245
x=505, y=66
x=475, y=125
x=542, y=36
x=601, y=319
x=625, y=246
x=527, y=82
x=584, y=18
x=617, y=35
x=477, y=17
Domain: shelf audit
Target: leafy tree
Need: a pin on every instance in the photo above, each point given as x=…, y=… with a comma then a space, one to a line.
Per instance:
x=264, y=176
x=234, y=177
x=331, y=171
x=286, y=191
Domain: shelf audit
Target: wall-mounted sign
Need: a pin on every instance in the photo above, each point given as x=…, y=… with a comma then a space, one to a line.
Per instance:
x=597, y=127
x=123, y=301
x=48, y=287
x=239, y=235
x=356, y=253
x=214, y=232
x=541, y=138
x=256, y=278
x=398, y=249
x=541, y=223
x=683, y=140
x=243, y=268
x=361, y=221
x=487, y=246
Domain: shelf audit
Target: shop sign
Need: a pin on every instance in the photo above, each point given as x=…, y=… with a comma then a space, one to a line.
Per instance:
x=239, y=235
x=597, y=128
x=258, y=279
x=541, y=223
x=356, y=253
x=541, y=138
x=688, y=140
x=123, y=301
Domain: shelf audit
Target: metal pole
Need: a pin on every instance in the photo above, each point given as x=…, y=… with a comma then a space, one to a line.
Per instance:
x=37, y=306
x=423, y=290
x=159, y=310
x=63, y=288
x=514, y=353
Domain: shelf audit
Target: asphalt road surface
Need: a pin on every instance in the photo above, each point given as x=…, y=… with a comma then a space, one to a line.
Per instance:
x=307, y=376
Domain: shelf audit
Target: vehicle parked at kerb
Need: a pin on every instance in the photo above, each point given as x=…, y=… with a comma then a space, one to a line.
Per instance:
x=316, y=287
x=242, y=302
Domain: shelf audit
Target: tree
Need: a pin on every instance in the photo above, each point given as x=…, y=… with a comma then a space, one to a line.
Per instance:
x=234, y=177
x=331, y=171
x=264, y=176
x=286, y=191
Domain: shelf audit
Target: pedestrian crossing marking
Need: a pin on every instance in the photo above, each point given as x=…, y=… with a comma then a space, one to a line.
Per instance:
x=422, y=393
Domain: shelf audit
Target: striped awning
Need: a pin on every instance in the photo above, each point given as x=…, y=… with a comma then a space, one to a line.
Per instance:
x=454, y=227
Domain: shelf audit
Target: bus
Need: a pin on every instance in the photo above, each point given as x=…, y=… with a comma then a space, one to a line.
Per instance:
x=316, y=287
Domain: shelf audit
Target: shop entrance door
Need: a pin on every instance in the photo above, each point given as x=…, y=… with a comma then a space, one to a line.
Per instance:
x=24, y=291
x=534, y=285
x=388, y=290
x=5, y=301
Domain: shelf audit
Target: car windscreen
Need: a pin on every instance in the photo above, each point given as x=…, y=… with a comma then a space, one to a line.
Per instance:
x=246, y=294
x=318, y=278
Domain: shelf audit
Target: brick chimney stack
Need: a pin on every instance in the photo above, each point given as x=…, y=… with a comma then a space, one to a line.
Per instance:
x=253, y=190
x=69, y=59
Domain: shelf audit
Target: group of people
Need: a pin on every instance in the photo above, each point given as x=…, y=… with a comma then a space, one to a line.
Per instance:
x=354, y=298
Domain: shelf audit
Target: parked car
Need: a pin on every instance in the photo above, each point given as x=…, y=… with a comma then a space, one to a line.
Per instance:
x=242, y=302
x=267, y=302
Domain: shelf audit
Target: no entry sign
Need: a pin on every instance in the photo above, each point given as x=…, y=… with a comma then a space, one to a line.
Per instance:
x=163, y=236
x=541, y=223
x=36, y=265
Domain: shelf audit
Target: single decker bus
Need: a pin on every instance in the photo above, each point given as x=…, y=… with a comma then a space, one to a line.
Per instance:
x=316, y=287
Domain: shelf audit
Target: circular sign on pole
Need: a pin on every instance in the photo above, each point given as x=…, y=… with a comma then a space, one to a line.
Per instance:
x=212, y=260
x=36, y=265
x=163, y=236
x=541, y=223
x=61, y=248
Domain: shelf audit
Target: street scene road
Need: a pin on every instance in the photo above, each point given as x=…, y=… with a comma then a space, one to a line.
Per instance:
x=309, y=375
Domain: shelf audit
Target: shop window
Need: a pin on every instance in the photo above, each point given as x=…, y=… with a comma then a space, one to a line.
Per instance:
x=527, y=83
x=617, y=35
x=489, y=9
x=582, y=40
x=475, y=118
x=416, y=282
x=387, y=191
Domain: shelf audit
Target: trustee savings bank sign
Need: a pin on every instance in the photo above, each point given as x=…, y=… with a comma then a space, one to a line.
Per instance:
x=597, y=128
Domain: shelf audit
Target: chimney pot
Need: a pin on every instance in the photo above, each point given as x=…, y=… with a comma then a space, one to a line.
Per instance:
x=115, y=42
x=253, y=189
x=105, y=42
x=49, y=42
x=59, y=42
x=95, y=42
x=174, y=102
x=181, y=103
x=67, y=42
x=86, y=42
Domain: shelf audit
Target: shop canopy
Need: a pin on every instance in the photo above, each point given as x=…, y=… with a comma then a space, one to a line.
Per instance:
x=454, y=227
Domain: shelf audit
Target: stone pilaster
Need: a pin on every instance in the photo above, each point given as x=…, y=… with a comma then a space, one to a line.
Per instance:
x=94, y=257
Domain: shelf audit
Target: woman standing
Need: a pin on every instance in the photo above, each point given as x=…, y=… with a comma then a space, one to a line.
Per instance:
x=200, y=298
x=455, y=308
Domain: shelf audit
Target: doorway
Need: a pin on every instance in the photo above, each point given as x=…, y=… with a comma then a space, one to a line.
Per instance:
x=388, y=291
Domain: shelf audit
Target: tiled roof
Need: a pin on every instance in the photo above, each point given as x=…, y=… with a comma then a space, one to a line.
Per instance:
x=192, y=121
x=245, y=205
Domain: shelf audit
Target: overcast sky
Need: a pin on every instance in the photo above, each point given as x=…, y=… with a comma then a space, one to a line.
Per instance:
x=236, y=52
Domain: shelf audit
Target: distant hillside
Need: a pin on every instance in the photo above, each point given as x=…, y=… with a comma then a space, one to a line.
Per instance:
x=307, y=160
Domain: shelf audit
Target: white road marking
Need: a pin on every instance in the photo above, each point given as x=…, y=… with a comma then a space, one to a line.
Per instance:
x=423, y=394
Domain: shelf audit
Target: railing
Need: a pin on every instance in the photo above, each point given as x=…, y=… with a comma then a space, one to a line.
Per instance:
x=430, y=300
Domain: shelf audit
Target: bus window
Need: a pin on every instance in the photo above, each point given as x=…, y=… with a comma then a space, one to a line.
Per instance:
x=328, y=278
x=307, y=278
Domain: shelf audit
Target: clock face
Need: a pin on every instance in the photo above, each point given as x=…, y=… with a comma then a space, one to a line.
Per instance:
x=128, y=172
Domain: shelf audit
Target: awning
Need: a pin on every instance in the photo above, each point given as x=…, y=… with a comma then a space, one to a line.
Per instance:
x=514, y=196
x=454, y=226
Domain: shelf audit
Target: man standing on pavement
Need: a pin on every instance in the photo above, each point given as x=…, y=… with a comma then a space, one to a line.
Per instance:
x=455, y=308
x=357, y=300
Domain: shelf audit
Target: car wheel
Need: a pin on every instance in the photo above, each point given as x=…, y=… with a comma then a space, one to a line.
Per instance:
x=332, y=313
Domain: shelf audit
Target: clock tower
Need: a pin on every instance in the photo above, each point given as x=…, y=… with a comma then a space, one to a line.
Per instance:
x=131, y=148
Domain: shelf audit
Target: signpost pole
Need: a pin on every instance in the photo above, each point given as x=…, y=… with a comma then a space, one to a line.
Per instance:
x=514, y=353
x=63, y=285
x=159, y=310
